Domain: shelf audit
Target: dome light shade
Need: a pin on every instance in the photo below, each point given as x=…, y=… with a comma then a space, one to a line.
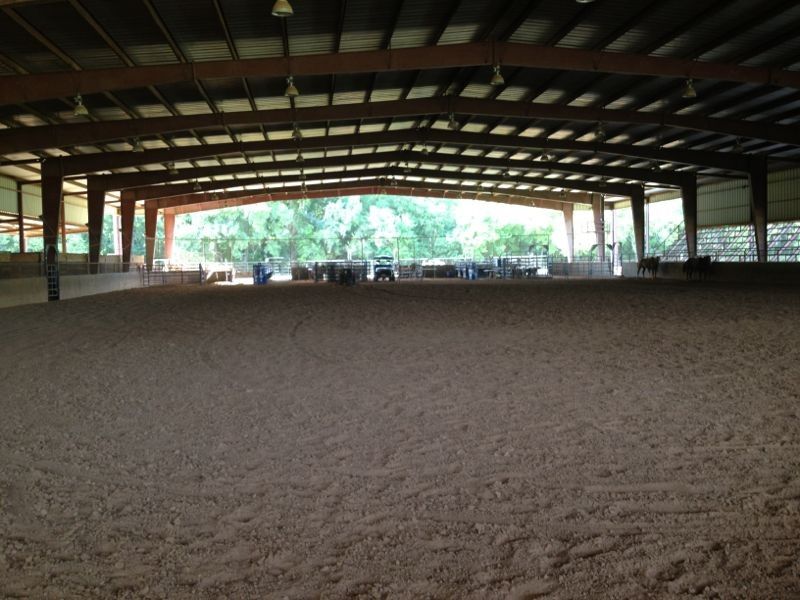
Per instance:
x=688, y=90
x=497, y=77
x=282, y=9
x=291, y=89
x=452, y=123
x=600, y=132
x=80, y=109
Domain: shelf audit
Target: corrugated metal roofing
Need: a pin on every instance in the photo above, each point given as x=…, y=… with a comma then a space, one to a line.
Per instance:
x=244, y=29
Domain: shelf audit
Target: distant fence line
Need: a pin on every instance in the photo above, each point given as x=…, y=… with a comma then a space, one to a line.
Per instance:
x=363, y=248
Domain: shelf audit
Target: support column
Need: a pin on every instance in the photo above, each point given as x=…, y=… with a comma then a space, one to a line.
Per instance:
x=637, y=209
x=63, y=225
x=97, y=205
x=21, y=218
x=128, y=208
x=758, y=204
x=169, y=234
x=598, y=209
x=116, y=226
x=52, y=183
x=689, y=199
x=568, y=210
x=150, y=222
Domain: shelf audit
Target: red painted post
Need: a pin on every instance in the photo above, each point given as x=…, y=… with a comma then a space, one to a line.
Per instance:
x=169, y=234
x=128, y=208
x=598, y=209
x=150, y=222
x=21, y=218
x=97, y=205
x=568, y=210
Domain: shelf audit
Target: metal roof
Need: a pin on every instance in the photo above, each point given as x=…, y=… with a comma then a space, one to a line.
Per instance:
x=570, y=69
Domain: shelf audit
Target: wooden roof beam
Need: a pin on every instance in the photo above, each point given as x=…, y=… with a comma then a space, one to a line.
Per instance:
x=129, y=180
x=79, y=165
x=43, y=86
x=25, y=139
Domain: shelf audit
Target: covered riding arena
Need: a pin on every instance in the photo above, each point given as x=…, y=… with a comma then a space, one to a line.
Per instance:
x=558, y=437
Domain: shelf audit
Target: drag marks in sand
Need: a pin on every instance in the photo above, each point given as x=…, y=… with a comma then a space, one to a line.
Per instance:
x=435, y=440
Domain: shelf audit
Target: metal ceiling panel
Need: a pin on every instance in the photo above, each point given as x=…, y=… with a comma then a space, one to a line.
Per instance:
x=255, y=33
x=24, y=50
x=469, y=20
x=131, y=26
x=312, y=31
x=366, y=24
x=418, y=23
x=71, y=34
x=195, y=27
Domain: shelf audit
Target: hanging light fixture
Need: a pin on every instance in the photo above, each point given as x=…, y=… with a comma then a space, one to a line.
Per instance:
x=282, y=9
x=600, y=132
x=737, y=146
x=497, y=77
x=297, y=135
x=299, y=158
x=688, y=89
x=452, y=123
x=171, y=168
x=291, y=88
x=197, y=187
x=137, y=145
x=80, y=109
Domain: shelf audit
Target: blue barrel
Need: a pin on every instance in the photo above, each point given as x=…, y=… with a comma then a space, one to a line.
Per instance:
x=261, y=273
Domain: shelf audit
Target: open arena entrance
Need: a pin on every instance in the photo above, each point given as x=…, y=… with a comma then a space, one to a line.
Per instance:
x=488, y=439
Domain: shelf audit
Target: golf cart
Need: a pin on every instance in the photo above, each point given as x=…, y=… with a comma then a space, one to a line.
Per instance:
x=383, y=268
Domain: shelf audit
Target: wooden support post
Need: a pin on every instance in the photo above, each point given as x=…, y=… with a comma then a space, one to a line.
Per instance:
x=21, y=218
x=63, y=211
x=637, y=210
x=52, y=183
x=689, y=200
x=758, y=204
x=97, y=204
x=128, y=208
x=568, y=210
x=598, y=209
x=169, y=234
x=116, y=228
x=150, y=222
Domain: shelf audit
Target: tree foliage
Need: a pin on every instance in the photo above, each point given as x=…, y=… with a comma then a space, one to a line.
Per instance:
x=353, y=227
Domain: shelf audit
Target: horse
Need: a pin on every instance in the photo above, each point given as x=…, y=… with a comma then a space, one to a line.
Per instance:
x=689, y=267
x=648, y=264
x=697, y=264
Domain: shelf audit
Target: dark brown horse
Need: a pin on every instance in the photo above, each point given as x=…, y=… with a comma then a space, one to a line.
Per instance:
x=648, y=264
x=697, y=264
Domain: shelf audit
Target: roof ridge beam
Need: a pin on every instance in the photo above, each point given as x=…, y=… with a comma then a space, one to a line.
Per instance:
x=18, y=89
x=25, y=139
x=91, y=163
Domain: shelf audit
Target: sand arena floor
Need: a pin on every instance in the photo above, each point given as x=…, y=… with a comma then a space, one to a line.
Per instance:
x=618, y=439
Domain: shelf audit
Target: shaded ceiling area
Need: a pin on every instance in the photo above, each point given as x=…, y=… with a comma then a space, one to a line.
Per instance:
x=513, y=96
